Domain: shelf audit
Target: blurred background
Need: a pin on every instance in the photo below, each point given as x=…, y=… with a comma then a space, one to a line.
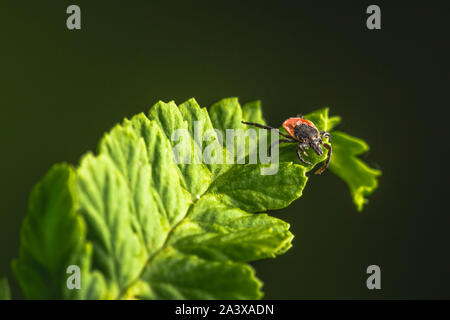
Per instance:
x=60, y=90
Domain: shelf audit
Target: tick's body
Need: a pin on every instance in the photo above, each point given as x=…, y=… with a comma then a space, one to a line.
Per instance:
x=306, y=134
x=292, y=123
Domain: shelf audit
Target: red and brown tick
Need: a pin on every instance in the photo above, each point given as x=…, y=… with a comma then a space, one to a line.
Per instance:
x=306, y=134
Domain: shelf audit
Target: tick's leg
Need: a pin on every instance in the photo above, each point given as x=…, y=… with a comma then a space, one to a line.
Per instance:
x=322, y=169
x=299, y=115
x=303, y=147
x=280, y=141
x=267, y=128
x=324, y=134
x=299, y=155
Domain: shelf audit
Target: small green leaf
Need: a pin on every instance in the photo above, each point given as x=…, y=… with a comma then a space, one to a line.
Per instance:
x=5, y=293
x=105, y=202
x=204, y=138
x=180, y=276
x=252, y=112
x=226, y=114
x=259, y=192
x=360, y=178
x=51, y=234
x=333, y=122
x=195, y=174
x=217, y=232
x=321, y=119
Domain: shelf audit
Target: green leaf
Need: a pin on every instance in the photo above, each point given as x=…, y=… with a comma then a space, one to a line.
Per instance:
x=174, y=275
x=195, y=175
x=141, y=224
x=204, y=137
x=259, y=192
x=105, y=202
x=216, y=232
x=360, y=178
x=226, y=114
x=321, y=119
x=51, y=233
x=5, y=293
x=252, y=112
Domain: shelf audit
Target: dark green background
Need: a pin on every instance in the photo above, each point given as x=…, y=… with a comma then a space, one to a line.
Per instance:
x=60, y=90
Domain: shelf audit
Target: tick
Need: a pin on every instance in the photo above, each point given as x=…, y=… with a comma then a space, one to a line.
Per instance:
x=306, y=134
